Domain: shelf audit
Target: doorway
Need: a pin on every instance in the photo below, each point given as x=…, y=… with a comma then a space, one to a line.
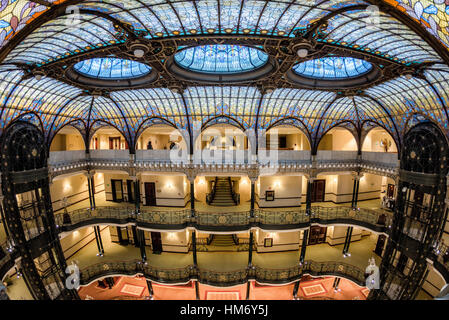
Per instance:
x=114, y=143
x=156, y=242
x=130, y=189
x=150, y=193
x=317, y=235
x=117, y=190
x=122, y=233
x=318, y=190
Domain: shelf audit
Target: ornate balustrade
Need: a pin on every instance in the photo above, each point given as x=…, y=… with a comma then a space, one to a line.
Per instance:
x=266, y=219
x=221, y=278
x=297, y=161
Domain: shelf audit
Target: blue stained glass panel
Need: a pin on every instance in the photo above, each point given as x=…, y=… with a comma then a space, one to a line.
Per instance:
x=112, y=68
x=333, y=68
x=221, y=58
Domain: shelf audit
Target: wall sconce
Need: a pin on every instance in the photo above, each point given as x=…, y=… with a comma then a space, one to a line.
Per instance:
x=244, y=181
x=277, y=184
x=169, y=185
x=171, y=235
x=67, y=187
x=201, y=181
x=335, y=180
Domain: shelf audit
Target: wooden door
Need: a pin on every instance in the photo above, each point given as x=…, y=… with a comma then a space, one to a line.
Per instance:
x=130, y=189
x=150, y=194
x=402, y=263
x=318, y=190
x=380, y=245
x=117, y=190
x=156, y=242
x=114, y=143
x=122, y=233
x=317, y=235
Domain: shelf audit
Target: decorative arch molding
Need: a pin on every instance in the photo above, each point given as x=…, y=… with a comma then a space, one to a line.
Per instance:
x=372, y=125
x=354, y=132
x=78, y=124
x=294, y=122
x=98, y=124
x=148, y=123
x=222, y=119
x=29, y=117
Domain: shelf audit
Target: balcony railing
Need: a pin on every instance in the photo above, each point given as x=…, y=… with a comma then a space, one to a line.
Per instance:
x=211, y=157
x=376, y=220
x=221, y=278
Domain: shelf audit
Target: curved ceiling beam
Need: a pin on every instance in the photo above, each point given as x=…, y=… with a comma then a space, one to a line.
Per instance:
x=387, y=113
x=189, y=127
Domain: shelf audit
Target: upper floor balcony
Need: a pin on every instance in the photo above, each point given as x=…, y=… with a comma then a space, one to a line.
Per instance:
x=62, y=162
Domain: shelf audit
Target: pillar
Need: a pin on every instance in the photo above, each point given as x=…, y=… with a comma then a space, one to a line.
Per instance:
x=295, y=290
x=195, y=261
x=143, y=252
x=191, y=178
x=347, y=242
x=139, y=233
x=2, y=215
x=250, y=255
x=253, y=195
x=336, y=283
x=99, y=241
x=248, y=289
x=150, y=289
x=303, y=246
x=197, y=290
x=89, y=176
x=355, y=189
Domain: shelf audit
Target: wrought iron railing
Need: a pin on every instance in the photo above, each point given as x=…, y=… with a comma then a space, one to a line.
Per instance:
x=168, y=217
x=377, y=220
x=221, y=278
x=239, y=218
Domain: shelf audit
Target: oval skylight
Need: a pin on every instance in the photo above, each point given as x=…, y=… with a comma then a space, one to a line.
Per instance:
x=111, y=68
x=221, y=58
x=330, y=68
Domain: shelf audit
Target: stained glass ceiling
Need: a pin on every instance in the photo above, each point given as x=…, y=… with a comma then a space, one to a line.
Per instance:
x=38, y=39
x=221, y=58
x=333, y=68
x=111, y=68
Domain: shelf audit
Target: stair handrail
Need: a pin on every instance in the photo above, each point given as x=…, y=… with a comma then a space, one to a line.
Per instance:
x=211, y=196
x=235, y=196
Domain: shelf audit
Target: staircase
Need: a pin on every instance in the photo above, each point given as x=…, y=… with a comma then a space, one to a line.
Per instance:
x=222, y=195
x=223, y=240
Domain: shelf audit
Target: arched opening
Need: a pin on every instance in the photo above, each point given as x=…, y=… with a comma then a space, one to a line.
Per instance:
x=67, y=139
x=286, y=137
x=108, y=138
x=338, y=139
x=222, y=137
x=379, y=140
x=161, y=137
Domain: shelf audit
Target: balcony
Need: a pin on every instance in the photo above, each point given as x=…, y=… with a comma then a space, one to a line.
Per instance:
x=225, y=161
x=221, y=278
x=266, y=219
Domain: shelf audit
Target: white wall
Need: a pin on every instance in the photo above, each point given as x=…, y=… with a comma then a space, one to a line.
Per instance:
x=287, y=191
x=282, y=241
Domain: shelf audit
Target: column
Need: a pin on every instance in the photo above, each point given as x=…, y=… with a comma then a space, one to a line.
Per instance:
x=140, y=233
x=336, y=283
x=195, y=261
x=248, y=289
x=89, y=177
x=191, y=177
x=250, y=255
x=2, y=214
x=355, y=189
x=150, y=289
x=295, y=290
x=253, y=195
x=347, y=242
x=197, y=290
x=305, y=238
x=99, y=241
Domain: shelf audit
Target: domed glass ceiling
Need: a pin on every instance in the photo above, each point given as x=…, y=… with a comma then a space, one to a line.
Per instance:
x=333, y=68
x=221, y=58
x=111, y=68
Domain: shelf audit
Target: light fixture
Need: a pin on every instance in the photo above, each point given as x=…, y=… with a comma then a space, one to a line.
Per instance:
x=139, y=53
x=302, y=52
